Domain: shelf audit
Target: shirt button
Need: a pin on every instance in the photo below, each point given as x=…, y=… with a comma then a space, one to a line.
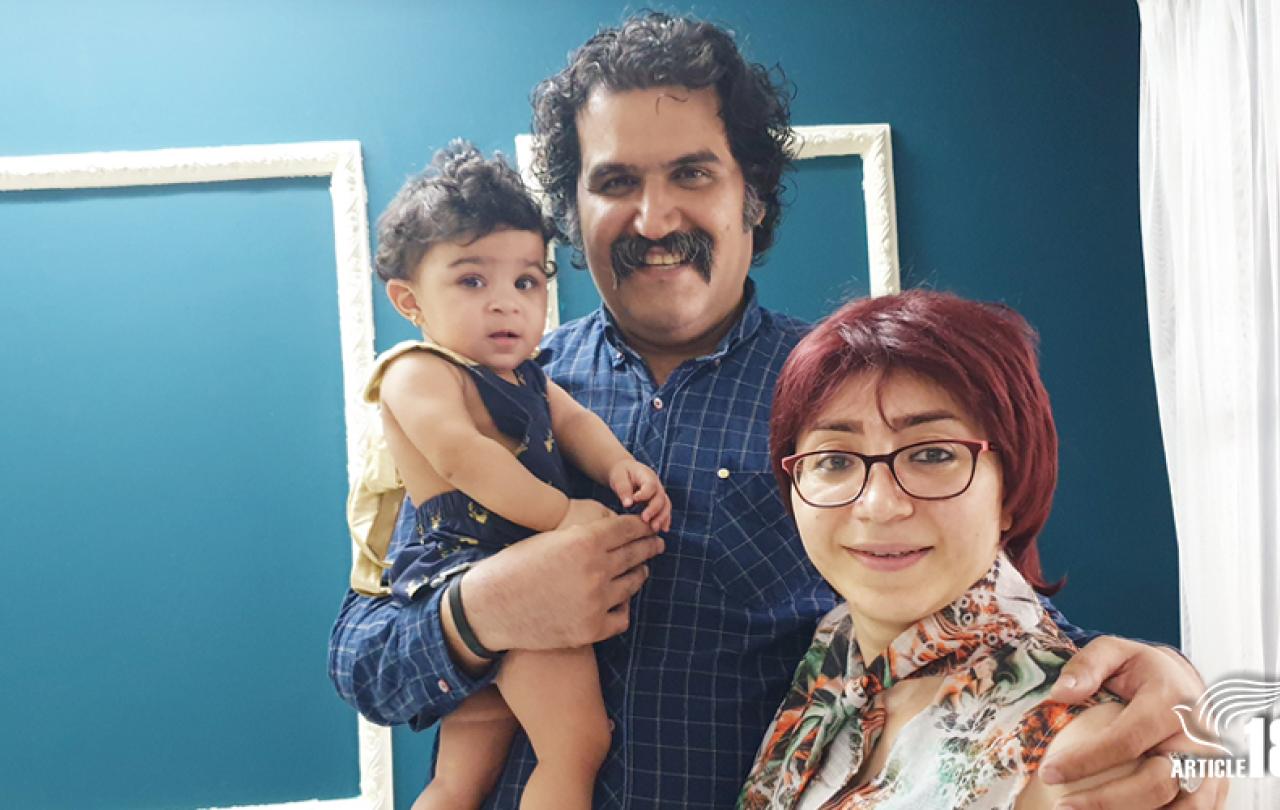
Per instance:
x=722, y=472
x=444, y=686
x=657, y=403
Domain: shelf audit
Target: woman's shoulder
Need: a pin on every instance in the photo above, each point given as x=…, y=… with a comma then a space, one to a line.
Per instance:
x=1083, y=726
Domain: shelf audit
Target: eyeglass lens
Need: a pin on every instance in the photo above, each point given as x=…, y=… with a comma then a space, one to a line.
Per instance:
x=933, y=470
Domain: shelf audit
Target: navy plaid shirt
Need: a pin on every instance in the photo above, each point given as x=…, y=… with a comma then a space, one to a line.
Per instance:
x=720, y=624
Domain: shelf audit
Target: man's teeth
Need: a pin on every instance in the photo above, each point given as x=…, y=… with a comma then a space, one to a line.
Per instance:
x=663, y=261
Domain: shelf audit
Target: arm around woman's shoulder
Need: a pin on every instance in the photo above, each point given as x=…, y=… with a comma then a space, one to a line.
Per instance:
x=1083, y=730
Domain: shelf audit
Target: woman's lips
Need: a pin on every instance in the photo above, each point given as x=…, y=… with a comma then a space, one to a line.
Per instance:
x=889, y=558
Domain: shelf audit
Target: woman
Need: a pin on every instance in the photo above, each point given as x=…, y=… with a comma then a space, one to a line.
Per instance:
x=915, y=446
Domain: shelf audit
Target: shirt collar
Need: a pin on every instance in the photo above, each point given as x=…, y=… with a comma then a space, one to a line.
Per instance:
x=743, y=329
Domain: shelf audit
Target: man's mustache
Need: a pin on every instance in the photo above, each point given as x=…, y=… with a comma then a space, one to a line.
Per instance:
x=627, y=253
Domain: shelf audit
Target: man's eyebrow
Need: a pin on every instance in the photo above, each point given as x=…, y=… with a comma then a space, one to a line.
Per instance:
x=702, y=156
x=603, y=170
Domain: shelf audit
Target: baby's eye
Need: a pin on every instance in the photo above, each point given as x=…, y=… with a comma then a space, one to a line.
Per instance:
x=471, y=282
x=525, y=283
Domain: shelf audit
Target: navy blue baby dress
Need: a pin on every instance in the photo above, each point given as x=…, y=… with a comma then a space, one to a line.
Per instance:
x=452, y=525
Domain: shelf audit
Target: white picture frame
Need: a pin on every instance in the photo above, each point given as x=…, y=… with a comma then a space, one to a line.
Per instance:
x=871, y=142
x=341, y=162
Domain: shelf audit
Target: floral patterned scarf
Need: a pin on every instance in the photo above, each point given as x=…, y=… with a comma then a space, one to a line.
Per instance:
x=995, y=645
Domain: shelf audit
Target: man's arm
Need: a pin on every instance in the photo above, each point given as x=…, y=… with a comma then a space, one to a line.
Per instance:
x=392, y=661
x=1151, y=678
x=1078, y=636
x=404, y=663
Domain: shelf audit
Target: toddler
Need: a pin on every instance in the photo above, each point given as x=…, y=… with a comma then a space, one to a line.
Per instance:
x=477, y=432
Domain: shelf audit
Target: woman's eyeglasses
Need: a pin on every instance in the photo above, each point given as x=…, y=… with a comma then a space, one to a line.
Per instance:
x=930, y=471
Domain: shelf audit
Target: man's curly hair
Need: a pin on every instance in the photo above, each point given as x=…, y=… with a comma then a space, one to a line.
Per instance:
x=655, y=49
x=459, y=197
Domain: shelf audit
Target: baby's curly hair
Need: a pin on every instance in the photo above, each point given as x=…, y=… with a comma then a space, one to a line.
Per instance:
x=459, y=197
x=653, y=49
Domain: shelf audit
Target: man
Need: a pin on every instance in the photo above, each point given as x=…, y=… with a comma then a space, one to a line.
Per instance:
x=662, y=152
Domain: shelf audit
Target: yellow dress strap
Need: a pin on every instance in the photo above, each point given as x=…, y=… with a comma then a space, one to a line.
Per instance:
x=373, y=388
x=376, y=497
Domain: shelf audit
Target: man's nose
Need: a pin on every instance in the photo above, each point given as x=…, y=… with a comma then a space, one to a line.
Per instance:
x=882, y=500
x=657, y=215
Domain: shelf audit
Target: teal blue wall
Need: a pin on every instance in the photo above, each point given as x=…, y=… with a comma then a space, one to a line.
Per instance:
x=173, y=461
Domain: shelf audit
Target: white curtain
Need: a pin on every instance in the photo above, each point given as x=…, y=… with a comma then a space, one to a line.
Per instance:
x=1209, y=166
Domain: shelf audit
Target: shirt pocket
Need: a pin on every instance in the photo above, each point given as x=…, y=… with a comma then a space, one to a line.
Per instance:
x=756, y=555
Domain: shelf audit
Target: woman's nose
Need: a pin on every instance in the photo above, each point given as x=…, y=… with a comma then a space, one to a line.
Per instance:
x=882, y=499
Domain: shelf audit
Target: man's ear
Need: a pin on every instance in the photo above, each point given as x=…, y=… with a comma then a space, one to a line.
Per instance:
x=404, y=300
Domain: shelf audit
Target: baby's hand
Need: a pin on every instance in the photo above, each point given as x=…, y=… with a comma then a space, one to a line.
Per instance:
x=584, y=510
x=633, y=482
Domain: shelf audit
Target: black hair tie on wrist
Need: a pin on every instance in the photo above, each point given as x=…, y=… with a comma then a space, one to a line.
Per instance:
x=465, y=632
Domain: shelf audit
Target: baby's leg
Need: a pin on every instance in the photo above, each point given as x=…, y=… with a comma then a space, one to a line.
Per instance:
x=555, y=694
x=472, y=748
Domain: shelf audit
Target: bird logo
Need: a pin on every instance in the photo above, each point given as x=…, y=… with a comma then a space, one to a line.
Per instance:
x=1224, y=703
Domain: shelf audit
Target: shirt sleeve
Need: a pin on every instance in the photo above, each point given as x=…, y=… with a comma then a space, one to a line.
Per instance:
x=1078, y=636
x=389, y=659
x=1081, y=637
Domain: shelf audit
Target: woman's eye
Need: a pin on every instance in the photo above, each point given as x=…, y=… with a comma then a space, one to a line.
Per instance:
x=833, y=463
x=933, y=454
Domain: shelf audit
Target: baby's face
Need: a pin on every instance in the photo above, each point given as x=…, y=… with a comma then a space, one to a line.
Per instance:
x=486, y=299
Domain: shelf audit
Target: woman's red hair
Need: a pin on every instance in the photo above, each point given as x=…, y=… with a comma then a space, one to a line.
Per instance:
x=983, y=355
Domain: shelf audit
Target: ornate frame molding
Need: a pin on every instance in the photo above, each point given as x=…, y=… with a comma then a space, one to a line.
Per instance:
x=341, y=162
x=871, y=142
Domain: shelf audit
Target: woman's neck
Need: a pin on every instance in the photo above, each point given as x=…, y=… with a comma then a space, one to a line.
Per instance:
x=874, y=637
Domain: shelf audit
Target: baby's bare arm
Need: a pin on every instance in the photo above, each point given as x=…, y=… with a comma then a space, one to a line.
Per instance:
x=584, y=437
x=425, y=396
x=591, y=446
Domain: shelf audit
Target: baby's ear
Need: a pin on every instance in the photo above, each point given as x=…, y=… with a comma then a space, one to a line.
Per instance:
x=403, y=299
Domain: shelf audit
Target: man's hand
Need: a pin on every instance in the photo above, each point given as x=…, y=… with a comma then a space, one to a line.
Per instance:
x=633, y=483
x=560, y=589
x=1152, y=680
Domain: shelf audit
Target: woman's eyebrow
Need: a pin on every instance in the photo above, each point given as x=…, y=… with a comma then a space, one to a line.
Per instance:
x=923, y=418
x=839, y=426
x=899, y=424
